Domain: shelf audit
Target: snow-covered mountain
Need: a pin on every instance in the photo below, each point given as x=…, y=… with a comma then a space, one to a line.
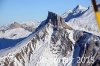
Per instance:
x=14, y=33
x=54, y=43
x=31, y=25
x=81, y=18
x=76, y=12
x=16, y=30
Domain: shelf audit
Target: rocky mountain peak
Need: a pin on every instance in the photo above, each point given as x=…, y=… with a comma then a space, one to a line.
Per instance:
x=56, y=20
x=79, y=7
x=14, y=25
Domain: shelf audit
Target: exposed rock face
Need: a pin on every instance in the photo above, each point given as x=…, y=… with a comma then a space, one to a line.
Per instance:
x=54, y=41
x=88, y=50
x=57, y=21
x=15, y=25
x=30, y=29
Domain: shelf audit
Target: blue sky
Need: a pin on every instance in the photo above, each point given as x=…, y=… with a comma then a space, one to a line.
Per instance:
x=26, y=10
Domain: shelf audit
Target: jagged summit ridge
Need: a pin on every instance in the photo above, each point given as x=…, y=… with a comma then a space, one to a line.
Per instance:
x=80, y=7
x=56, y=20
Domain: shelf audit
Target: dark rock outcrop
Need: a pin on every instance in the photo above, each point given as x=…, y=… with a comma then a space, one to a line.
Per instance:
x=57, y=21
x=15, y=25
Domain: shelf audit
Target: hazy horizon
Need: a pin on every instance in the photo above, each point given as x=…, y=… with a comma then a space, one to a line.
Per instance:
x=26, y=10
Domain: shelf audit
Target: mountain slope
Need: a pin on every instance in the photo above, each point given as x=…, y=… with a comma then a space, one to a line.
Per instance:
x=53, y=43
x=76, y=12
x=15, y=33
x=85, y=22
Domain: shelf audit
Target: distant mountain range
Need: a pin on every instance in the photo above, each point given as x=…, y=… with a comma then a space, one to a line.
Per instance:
x=16, y=30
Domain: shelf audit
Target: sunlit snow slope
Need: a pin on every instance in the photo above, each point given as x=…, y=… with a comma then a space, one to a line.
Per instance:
x=81, y=18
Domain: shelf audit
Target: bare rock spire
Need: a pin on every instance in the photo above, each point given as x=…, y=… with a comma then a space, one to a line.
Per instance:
x=56, y=20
